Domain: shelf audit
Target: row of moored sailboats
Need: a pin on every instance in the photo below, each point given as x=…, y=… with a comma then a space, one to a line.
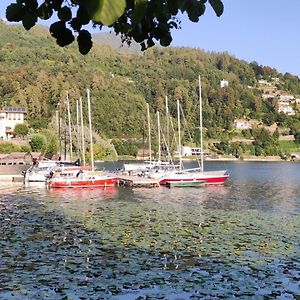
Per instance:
x=60, y=174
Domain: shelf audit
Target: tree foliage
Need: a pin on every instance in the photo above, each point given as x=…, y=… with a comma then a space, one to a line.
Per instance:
x=37, y=142
x=140, y=20
x=21, y=130
x=36, y=74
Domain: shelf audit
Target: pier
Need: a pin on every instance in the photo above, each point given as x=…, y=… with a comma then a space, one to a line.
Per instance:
x=11, y=178
x=138, y=182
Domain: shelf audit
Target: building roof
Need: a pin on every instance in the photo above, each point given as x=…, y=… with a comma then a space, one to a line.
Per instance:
x=13, y=109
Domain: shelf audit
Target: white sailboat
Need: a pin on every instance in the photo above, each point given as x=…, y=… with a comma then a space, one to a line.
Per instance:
x=194, y=174
x=83, y=178
x=151, y=164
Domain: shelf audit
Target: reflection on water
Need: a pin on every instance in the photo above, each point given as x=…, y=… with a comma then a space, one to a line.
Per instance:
x=235, y=241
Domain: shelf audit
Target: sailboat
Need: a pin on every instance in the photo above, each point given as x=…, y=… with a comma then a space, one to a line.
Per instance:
x=83, y=178
x=150, y=164
x=193, y=174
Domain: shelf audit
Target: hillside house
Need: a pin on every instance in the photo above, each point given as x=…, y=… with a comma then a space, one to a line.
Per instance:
x=224, y=83
x=241, y=124
x=190, y=151
x=263, y=82
x=286, y=98
x=9, y=118
x=286, y=108
x=267, y=96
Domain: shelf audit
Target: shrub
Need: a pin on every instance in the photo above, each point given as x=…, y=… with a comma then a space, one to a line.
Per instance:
x=21, y=130
x=37, y=142
x=7, y=147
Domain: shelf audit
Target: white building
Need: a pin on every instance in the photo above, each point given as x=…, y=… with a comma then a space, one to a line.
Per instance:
x=267, y=96
x=9, y=118
x=286, y=108
x=263, y=82
x=189, y=151
x=224, y=83
x=241, y=124
x=286, y=98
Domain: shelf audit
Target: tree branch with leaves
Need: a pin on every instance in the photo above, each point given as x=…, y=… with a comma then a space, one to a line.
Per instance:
x=144, y=21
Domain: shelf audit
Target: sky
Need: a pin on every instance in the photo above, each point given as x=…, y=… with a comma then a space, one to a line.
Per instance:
x=265, y=31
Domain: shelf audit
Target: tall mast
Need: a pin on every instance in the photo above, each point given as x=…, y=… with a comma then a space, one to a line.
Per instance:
x=82, y=132
x=158, y=137
x=77, y=128
x=179, y=135
x=90, y=127
x=70, y=128
x=57, y=130
x=149, y=133
x=65, y=133
x=168, y=124
x=201, y=124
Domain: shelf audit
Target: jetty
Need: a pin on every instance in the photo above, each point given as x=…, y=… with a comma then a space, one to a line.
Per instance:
x=11, y=178
x=138, y=182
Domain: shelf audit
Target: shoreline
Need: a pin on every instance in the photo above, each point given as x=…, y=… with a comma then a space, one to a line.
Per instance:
x=248, y=159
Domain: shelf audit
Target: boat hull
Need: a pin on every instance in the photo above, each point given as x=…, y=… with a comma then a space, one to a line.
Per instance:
x=209, y=178
x=84, y=183
x=185, y=183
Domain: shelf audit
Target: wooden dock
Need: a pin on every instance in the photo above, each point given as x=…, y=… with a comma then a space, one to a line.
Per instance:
x=138, y=182
x=11, y=178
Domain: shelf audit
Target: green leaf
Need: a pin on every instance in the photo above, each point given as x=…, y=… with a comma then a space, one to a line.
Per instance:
x=140, y=7
x=29, y=20
x=56, y=4
x=83, y=15
x=105, y=12
x=15, y=12
x=84, y=41
x=65, y=37
x=64, y=14
x=45, y=11
x=166, y=40
x=56, y=28
x=218, y=6
x=31, y=4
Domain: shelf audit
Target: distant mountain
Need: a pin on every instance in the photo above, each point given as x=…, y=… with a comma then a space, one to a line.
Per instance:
x=35, y=73
x=115, y=42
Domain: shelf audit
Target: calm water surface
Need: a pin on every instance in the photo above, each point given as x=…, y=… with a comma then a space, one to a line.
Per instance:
x=239, y=241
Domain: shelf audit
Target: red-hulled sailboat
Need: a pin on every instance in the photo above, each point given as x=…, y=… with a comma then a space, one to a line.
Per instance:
x=83, y=178
x=194, y=174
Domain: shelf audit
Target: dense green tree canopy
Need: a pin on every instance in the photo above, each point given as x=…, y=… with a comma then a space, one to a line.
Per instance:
x=21, y=130
x=144, y=21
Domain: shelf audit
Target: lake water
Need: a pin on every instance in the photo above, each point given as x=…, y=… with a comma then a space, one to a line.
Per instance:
x=238, y=241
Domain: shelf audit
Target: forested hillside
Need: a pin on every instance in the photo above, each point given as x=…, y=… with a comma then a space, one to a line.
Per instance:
x=36, y=73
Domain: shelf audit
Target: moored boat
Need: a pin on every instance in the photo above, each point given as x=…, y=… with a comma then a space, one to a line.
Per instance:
x=83, y=179
x=194, y=174
x=185, y=183
x=42, y=169
x=206, y=177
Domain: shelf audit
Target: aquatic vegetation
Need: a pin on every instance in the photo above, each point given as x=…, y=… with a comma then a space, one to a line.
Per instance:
x=116, y=244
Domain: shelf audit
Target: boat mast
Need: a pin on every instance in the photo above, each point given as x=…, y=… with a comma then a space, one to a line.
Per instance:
x=158, y=137
x=201, y=124
x=168, y=124
x=149, y=133
x=57, y=130
x=70, y=128
x=179, y=135
x=82, y=131
x=90, y=128
x=77, y=128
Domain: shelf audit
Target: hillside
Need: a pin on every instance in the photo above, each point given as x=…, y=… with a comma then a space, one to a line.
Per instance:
x=36, y=73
